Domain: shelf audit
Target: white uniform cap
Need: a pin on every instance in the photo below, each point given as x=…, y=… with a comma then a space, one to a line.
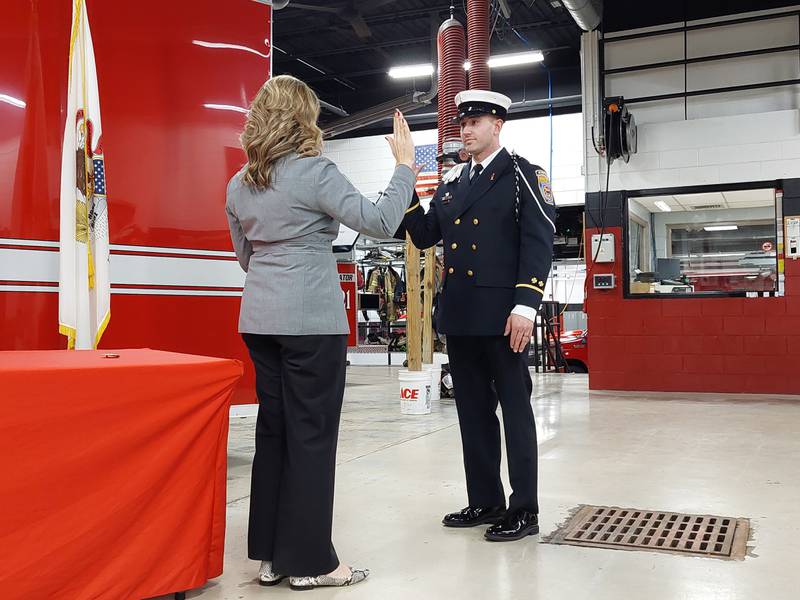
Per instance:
x=472, y=103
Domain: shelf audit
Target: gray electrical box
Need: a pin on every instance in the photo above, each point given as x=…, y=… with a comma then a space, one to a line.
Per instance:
x=603, y=248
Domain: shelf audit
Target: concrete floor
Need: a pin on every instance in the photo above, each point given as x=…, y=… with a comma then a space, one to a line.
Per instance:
x=735, y=456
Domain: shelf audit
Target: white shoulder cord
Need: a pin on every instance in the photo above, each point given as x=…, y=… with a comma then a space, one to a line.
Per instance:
x=535, y=197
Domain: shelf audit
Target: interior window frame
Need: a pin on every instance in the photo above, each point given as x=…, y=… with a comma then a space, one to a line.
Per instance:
x=628, y=195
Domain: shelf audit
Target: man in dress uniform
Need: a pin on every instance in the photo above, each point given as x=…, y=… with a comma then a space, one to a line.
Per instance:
x=495, y=215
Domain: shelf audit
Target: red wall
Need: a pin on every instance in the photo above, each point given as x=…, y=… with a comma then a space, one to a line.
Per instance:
x=736, y=345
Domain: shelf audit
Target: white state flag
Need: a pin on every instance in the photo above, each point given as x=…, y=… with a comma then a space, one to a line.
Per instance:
x=84, y=292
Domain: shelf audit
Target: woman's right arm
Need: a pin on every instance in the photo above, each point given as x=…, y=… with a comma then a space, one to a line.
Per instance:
x=341, y=200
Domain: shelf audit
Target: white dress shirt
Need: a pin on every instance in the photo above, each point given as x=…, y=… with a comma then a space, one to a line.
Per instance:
x=485, y=162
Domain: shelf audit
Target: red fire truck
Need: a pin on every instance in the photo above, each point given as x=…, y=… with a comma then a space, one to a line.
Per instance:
x=174, y=79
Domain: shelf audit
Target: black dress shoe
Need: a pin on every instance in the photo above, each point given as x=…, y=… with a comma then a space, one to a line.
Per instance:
x=474, y=515
x=514, y=526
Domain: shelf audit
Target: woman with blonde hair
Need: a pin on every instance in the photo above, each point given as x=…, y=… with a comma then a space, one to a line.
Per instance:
x=284, y=208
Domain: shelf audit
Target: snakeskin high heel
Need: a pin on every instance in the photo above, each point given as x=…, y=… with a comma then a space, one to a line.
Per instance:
x=309, y=583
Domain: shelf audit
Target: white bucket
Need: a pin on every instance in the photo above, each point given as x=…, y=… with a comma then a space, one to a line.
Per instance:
x=436, y=381
x=415, y=392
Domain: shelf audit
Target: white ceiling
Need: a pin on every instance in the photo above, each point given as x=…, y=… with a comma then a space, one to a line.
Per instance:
x=720, y=200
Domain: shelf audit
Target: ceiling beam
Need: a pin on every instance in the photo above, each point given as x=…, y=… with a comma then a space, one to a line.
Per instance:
x=412, y=41
x=365, y=47
x=318, y=68
x=380, y=19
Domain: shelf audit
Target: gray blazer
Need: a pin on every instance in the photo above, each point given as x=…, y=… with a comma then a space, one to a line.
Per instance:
x=283, y=239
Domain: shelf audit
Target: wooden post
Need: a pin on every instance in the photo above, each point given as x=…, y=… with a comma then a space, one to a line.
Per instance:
x=427, y=305
x=414, y=312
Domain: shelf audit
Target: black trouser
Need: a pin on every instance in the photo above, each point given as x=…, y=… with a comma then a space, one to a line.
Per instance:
x=477, y=362
x=300, y=386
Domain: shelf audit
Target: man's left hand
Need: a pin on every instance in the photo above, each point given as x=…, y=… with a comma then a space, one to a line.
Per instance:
x=520, y=331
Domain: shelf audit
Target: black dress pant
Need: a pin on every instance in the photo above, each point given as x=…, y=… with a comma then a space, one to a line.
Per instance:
x=481, y=366
x=300, y=386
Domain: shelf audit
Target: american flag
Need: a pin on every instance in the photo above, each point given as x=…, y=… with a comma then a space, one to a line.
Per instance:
x=428, y=179
x=99, y=176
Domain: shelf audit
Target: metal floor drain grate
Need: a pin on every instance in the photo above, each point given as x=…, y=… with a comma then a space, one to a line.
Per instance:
x=659, y=531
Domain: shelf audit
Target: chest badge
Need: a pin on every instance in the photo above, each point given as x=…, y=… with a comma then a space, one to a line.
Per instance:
x=492, y=177
x=447, y=198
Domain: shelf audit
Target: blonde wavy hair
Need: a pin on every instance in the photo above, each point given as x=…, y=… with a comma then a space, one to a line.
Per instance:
x=282, y=120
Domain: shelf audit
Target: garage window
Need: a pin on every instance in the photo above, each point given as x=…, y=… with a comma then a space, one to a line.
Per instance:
x=711, y=243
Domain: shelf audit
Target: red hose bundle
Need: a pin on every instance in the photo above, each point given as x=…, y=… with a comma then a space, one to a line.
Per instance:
x=478, y=44
x=452, y=78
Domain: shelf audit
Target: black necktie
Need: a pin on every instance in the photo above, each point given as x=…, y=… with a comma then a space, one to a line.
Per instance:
x=476, y=172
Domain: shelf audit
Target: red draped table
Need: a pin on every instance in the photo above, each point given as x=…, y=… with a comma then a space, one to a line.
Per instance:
x=112, y=472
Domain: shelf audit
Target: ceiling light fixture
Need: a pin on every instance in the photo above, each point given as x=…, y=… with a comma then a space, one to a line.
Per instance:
x=519, y=58
x=494, y=62
x=721, y=227
x=410, y=71
x=663, y=206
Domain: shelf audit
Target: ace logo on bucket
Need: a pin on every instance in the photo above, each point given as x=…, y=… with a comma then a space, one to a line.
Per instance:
x=409, y=394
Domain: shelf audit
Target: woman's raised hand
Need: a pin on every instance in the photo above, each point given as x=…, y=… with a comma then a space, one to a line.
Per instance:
x=400, y=142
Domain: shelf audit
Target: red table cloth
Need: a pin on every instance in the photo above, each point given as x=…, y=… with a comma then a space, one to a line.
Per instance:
x=112, y=472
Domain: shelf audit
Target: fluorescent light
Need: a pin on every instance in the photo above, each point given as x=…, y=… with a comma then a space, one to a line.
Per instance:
x=12, y=101
x=721, y=228
x=520, y=58
x=663, y=206
x=411, y=71
x=494, y=62
x=229, y=47
x=226, y=107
